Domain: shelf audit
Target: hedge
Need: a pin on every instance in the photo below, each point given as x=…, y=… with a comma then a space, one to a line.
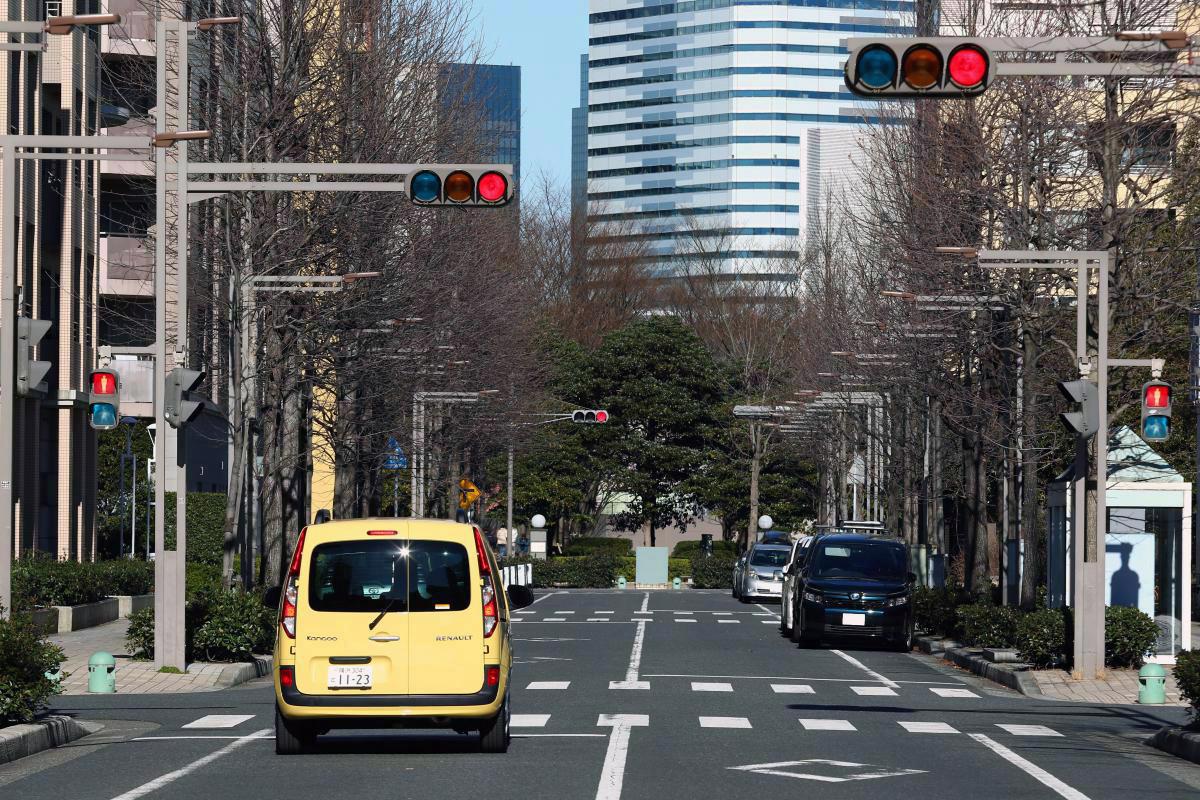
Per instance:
x=218, y=626
x=1042, y=637
x=985, y=625
x=1129, y=635
x=598, y=571
x=25, y=659
x=587, y=545
x=1187, y=675
x=714, y=572
x=205, y=526
x=691, y=548
x=39, y=580
x=936, y=611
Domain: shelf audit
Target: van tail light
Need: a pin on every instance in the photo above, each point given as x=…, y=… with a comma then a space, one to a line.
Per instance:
x=291, y=590
x=491, y=676
x=491, y=615
x=287, y=677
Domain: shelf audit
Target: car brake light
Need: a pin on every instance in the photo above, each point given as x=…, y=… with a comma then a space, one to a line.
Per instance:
x=488, y=592
x=287, y=676
x=291, y=590
x=381, y=533
x=491, y=675
x=484, y=567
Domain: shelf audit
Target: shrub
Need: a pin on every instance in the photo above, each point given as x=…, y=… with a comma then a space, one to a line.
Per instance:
x=127, y=576
x=25, y=658
x=714, y=572
x=38, y=580
x=1128, y=636
x=1042, y=637
x=986, y=625
x=202, y=579
x=691, y=548
x=935, y=610
x=588, y=545
x=236, y=626
x=205, y=526
x=1187, y=675
x=139, y=638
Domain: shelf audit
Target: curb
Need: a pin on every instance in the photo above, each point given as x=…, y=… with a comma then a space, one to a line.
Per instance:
x=934, y=645
x=1178, y=742
x=18, y=741
x=1011, y=675
x=234, y=674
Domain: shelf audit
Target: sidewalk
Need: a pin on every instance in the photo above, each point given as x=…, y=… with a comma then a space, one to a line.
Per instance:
x=141, y=677
x=1120, y=687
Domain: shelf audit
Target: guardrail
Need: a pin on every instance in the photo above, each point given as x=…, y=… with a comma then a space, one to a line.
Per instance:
x=517, y=575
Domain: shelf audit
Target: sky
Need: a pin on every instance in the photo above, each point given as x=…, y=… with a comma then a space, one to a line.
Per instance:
x=545, y=39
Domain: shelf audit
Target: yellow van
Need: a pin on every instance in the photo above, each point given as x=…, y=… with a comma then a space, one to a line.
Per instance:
x=387, y=623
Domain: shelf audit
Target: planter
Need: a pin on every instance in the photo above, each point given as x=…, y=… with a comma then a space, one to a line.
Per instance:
x=88, y=615
x=45, y=620
x=127, y=604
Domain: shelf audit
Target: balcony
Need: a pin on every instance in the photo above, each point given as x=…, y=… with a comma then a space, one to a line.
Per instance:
x=126, y=267
x=135, y=35
x=143, y=168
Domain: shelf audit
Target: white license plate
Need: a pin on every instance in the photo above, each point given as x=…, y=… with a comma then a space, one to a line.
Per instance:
x=349, y=677
x=854, y=619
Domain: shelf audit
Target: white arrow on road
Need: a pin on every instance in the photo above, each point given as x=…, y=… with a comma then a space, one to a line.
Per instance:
x=613, y=775
x=860, y=774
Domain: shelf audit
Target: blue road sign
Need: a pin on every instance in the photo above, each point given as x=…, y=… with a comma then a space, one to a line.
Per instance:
x=396, y=458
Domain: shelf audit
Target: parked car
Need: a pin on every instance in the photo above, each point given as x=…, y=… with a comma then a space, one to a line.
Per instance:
x=775, y=537
x=857, y=586
x=762, y=572
x=791, y=572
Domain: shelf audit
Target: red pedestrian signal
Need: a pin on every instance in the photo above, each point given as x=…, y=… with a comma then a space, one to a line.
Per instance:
x=104, y=403
x=908, y=67
x=1156, y=395
x=1156, y=411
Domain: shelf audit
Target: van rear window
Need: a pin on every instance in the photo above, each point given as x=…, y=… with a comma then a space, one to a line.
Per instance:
x=405, y=575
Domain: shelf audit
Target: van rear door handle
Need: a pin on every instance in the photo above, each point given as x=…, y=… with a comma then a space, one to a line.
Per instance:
x=384, y=638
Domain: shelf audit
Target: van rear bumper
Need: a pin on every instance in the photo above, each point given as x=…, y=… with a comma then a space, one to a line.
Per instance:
x=295, y=703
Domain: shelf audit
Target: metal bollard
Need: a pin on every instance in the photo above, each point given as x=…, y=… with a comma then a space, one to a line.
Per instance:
x=102, y=673
x=1153, y=680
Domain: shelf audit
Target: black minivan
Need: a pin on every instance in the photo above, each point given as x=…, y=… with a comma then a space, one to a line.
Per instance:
x=858, y=586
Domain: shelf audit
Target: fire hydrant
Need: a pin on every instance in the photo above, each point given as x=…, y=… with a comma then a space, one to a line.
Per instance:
x=1153, y=680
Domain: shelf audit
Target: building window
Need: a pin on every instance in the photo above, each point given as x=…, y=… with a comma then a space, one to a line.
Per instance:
x=53, y=8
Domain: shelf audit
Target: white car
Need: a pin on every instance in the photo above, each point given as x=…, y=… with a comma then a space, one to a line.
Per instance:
x=791, y=571
x=761, y=574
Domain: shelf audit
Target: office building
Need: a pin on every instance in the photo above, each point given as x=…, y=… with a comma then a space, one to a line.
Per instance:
x=497, y=89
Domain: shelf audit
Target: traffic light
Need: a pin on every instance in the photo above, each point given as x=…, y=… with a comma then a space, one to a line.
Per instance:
x=30, y=373
x=1156, y=411
x=178, y=408
x=902, y=67
x=590, y=416
x=104, y=405
x=1085, y=422
x=460, y=185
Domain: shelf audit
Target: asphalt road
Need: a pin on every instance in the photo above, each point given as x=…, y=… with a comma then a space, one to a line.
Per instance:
x=643, y=695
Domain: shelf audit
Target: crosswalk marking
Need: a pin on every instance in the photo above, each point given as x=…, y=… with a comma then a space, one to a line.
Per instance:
x=643, y=612
x=549, y=685
x=526, y=612
x=685, y=619
x=607, y=612
x=1028, y=730
x=683, y=613
x=721, y=613
x=214, y=721
x=792, y=688
x=730, y=621
x=556, y=619
x=724, y=722
x=529, y=720
x=700, y=686
x=928, y=727
x=873, y=691
x=953, y=692
x=770, y=621
x=827, y=725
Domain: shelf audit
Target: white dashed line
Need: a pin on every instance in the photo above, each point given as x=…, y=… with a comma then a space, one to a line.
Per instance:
x=698, y=686
x=549, y=685
x=885, y=681
x=873, y=691
x=928, y=727
x=598, y=619
x=730, y=621
x=724, y=722
x=602, y=612
x=1029, y=730
x=684, y=613
x=721, y=613
x=1031, y=769
x=564, y=612
x=770, y=621
x=953, y=692
x=685, y=619
x=216, y=721
x=529, y=720
x=643, y=612
x=555, y=619
x=827, y=725
x=791, y=688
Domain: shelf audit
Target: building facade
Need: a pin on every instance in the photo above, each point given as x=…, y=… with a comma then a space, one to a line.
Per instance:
x=723, y=123
x=496, y=89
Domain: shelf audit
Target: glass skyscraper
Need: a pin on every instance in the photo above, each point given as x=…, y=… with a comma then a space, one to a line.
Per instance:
x=498, y=89
x=723, y=117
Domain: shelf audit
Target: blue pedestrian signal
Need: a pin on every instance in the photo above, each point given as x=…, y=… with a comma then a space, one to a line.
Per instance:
x=1156, y=429
x=104, y=416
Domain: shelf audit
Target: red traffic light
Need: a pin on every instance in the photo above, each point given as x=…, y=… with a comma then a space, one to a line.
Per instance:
x=1156, y=395
x=601, y=416
x=968, y=66
x=104, y=382
x=493, y=187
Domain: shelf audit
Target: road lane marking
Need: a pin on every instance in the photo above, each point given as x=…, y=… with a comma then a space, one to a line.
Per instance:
x=770, y=621
x=1029, y=768
x=953, y=692
x=526, y=612
x=169, y=778
x=602, y=612
x=560, y=736
x=545, y=597
x=1029, y=730
x=598, y=619
x=529, y=720
x=827, y=725
x=725, y=722
x=791, y=688
x=564, y=612
x=643, y=612
x=698, y=686
x=555, y=619
x=645, y=601
x=885, y=681
x=928, y=727
x=685, y=619
x=684, y=612
x=549, y=685
x=873, y=691
x=797, y=678
x=721, y=613
x=612, y=776
x=730, y=621
x=635, y=659
x=219, y=721
x=196, y=736
x=781, y=768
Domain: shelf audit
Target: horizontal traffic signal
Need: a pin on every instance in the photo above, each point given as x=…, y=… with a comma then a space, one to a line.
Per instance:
x=1156, y=411
x=904, y=67
x=460, y=185
x=1085, y=422
x=590, y=416
x=104, y=402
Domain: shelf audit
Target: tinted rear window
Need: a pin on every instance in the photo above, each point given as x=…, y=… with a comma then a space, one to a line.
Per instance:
x=769, y=558
x=863, y=560
x=370, y=575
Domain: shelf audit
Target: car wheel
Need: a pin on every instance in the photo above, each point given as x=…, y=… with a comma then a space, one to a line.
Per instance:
x=906, y=644
x=785, y=626
x=797, y=632
x=495, y=735
x=292, y=736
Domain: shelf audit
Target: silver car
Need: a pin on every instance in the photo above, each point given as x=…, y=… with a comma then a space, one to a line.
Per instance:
x=761, y=574
x=791, y=571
